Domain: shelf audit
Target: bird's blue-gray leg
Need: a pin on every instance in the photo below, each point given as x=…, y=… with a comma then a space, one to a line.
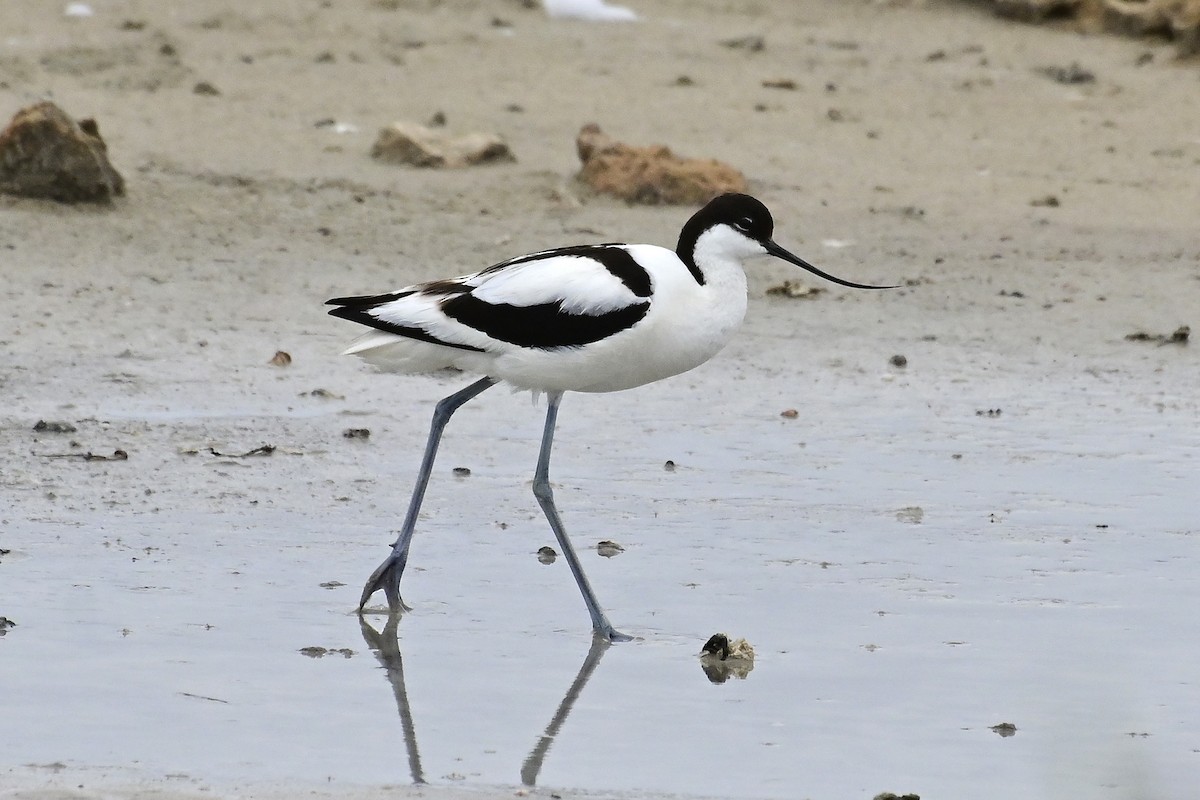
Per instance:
x=545, y=497
x=387, y=575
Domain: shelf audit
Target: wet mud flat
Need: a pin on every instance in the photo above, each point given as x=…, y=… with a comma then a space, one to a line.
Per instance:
x=913, y=573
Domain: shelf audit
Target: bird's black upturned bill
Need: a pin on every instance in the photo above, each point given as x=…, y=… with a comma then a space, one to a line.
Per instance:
x=779, y=252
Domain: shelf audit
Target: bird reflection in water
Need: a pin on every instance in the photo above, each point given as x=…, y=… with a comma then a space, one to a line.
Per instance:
x=385, y=644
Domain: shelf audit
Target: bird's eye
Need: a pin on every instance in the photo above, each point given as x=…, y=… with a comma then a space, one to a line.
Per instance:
x=743, y=224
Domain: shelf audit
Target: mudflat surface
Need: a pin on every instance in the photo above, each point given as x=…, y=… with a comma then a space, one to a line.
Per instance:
x=1002, y=531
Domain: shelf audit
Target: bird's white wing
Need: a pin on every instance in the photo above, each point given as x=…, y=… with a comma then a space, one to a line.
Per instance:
x=556, y=298
x=579, y=280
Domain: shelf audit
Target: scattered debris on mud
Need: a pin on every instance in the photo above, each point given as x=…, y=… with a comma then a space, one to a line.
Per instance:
x=751, y=44
x=1069, y=75
x=795, y=289
x=419, y=146
x=650, y=175
x=357, y=433
x=46, y=154
x=117, y=455
x=52, y=426
x=320, y=652
x=1179, y=336
x=261, y=450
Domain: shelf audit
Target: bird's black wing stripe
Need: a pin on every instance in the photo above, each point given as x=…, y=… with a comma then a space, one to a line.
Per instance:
x=363, y=302
x=368, y=301
x=360, y=315
x=544, y=326
x=614, y=258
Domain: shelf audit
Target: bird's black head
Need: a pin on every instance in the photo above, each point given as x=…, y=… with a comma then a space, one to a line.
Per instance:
x=752, y=227
x=741, y=212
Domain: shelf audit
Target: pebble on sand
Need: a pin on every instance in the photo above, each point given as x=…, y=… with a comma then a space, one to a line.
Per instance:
x=419, y=146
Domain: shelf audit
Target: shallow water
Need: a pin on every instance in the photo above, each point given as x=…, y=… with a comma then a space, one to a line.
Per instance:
x=910, y=573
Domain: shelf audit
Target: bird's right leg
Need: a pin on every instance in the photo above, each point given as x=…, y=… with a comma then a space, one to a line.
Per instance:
x=387, y=575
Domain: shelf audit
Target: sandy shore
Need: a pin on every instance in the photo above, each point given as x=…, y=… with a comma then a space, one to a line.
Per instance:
x=1034, y=225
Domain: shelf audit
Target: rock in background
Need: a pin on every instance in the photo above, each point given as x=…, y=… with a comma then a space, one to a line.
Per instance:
x=44, y=153
x=651, y=175
x=1178, y=20
x=419, y=146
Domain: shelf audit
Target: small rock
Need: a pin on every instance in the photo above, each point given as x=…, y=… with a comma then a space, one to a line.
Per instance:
x=1049, y=201
x=780, y=83
x=419, y=146
x=323, y=394
x=609, y=548
x=462, y=472
x=280, y=359
x=314, y=651
x=205, y=88
x=650, y=175
x=789, y=413
x=44, y=153
x=669, y=466
x=1005, y=729
x=357, y=433
x=894, y=796
x=546, y=555
x=898, y=361
x=913, y=515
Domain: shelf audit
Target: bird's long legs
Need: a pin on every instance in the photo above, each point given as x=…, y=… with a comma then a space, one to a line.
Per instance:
x=545, y=497
x=387, y=575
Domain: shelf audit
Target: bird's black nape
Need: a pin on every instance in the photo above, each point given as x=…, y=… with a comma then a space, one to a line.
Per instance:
x=740, y=211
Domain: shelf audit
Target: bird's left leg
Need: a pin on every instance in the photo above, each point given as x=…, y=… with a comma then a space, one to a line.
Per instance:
x=387, y=575
x=545, y=497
